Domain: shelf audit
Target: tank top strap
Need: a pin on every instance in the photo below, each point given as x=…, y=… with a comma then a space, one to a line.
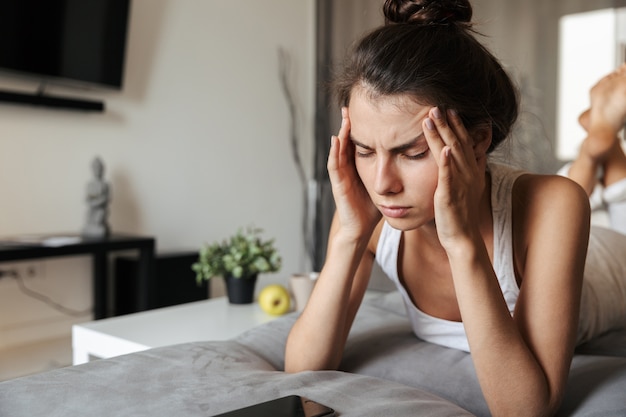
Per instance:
x=502, y=181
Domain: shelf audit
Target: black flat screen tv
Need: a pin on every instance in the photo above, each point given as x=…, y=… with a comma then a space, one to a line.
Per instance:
x=65, y=40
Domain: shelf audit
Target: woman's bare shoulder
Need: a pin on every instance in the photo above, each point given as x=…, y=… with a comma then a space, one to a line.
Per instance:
x=545, y=189
x=540, y=200
x=552, y=214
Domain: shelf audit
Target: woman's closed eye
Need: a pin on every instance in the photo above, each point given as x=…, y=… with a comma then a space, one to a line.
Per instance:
x=416, y=155
x=363, y=153
x=413, y=156
x=412, y=153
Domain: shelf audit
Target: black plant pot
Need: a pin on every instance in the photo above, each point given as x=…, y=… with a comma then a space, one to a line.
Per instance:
x=240, y=290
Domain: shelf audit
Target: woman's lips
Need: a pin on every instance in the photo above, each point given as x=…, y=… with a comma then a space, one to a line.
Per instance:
x=393, y=211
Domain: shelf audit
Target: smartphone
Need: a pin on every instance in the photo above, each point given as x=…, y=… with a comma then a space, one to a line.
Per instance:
x=289, y=406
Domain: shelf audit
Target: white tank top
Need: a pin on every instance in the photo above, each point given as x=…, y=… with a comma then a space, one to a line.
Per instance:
x=451, y=333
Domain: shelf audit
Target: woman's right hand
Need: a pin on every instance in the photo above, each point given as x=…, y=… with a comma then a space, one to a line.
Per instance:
x=356, y=213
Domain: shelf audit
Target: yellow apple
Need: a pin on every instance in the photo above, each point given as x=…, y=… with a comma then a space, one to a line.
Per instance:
x=275, y=299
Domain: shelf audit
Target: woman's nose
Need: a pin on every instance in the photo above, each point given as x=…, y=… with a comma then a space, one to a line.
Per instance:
x=387, y=179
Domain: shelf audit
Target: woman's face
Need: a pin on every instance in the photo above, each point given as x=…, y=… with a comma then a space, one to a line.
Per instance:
x=392, y=157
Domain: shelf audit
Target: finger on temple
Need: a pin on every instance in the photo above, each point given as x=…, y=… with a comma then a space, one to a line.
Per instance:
x=457, y=126
x=433, y=138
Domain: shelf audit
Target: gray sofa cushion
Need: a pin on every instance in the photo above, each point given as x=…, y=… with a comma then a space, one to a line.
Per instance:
x=382, y=344
x=203, y=379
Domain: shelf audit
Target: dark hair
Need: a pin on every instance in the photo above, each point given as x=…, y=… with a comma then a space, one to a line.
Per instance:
x=427, y=50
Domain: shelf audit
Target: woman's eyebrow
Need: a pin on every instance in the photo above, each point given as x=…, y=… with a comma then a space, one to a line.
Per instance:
x=359, y=144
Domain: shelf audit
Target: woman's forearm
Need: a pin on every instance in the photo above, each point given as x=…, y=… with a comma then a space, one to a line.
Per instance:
x=510, y=376
x=317, y=338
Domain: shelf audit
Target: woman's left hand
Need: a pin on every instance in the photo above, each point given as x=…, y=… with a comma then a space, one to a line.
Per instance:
x=461, y=180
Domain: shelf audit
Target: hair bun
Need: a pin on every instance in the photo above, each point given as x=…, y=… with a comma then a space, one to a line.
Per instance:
x=427, y=11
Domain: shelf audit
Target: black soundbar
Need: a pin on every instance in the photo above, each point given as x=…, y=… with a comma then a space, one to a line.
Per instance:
x=50, y=101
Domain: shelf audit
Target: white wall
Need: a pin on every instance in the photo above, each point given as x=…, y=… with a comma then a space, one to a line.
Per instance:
x=195, y=146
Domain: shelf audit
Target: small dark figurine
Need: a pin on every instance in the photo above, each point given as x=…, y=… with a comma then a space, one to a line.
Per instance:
x=98, y=197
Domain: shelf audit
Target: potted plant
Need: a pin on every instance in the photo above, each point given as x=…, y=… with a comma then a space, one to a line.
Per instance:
x=238, y=260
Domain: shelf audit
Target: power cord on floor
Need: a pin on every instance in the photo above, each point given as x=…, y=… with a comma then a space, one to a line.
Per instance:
x=42, y=297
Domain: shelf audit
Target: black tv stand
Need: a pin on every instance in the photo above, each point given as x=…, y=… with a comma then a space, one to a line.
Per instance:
x=17, y=249
x=51, y=101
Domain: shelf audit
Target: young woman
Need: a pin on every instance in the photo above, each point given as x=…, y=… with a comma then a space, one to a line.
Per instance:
x=488, y=259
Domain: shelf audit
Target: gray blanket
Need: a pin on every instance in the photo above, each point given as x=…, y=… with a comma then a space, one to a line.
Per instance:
x=386, y=371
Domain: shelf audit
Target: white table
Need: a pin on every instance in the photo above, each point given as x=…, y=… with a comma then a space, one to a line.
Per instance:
x=213, y=319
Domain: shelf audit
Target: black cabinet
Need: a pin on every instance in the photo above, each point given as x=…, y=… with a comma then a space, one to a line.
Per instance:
x=174, y=282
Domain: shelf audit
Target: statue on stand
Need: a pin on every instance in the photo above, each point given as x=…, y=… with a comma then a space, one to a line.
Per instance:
x=98, y=197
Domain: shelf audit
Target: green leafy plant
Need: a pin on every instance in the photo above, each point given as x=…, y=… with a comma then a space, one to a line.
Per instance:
x=244, y=255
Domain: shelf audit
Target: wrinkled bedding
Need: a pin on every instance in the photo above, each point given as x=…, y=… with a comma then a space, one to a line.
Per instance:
x=386, y=371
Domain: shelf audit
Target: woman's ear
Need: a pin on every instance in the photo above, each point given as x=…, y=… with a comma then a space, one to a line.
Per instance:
x=482, y=141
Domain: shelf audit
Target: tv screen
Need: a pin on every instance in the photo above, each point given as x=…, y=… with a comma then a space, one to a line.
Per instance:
x=82, y=40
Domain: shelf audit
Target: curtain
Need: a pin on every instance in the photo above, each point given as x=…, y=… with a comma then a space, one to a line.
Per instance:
x=339, y=23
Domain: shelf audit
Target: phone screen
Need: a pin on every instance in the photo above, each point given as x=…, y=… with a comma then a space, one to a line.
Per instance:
x=290, y=406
